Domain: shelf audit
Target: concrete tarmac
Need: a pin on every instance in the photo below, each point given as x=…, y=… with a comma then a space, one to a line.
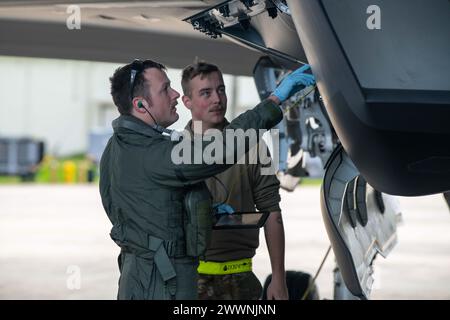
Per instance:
x=54, y=244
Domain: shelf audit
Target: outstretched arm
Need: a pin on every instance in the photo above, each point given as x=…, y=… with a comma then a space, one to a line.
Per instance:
x=274, y=233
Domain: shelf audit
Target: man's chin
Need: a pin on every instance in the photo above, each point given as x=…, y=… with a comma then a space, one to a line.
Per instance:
x=217, y=120
x=172, y=120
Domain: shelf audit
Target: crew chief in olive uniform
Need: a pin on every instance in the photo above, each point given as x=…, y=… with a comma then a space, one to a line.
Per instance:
x=143, y=191
x=225, y=272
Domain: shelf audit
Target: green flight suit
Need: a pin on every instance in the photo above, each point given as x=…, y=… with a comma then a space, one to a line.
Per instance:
x=142, y=192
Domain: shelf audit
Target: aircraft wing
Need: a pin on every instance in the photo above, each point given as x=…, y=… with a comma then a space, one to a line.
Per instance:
x=116, y=31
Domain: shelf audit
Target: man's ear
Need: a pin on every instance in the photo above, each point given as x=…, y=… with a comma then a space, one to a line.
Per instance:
x=187, y=101
x=139, y=101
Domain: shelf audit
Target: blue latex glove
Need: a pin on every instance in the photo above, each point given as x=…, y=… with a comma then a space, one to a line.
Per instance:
x=293, y=82
x=221, y=208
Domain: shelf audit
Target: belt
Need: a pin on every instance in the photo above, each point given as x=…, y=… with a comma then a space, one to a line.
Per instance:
x=227, y=267
x=175, y=248
x=159, y=247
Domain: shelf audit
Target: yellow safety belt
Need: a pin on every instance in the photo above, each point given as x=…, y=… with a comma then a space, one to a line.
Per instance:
x=228, y=267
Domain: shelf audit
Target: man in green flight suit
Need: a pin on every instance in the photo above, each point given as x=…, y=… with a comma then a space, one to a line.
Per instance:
x=143, y=190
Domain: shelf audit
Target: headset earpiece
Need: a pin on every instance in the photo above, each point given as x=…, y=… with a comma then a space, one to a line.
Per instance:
x=140, y=105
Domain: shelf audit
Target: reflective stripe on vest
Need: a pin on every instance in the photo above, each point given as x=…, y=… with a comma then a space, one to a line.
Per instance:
x=228, y=267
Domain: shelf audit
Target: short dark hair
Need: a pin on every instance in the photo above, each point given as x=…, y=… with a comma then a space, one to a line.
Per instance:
x=121, y=84
x=201, y=68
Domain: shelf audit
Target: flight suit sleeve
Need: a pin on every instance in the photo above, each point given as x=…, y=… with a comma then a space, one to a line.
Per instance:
x=164, y=170
x=105, y=180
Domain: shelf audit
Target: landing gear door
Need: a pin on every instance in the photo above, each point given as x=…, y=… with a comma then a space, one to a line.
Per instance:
x=361, y=222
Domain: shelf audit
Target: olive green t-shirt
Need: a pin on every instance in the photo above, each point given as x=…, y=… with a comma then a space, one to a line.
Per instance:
x=246, y=190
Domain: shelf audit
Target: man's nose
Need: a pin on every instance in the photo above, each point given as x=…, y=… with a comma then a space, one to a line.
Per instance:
x=215, y=96
x=175, y=94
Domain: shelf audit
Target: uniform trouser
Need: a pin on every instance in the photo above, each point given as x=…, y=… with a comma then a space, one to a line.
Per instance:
x=236, y=286
x=141, y=280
